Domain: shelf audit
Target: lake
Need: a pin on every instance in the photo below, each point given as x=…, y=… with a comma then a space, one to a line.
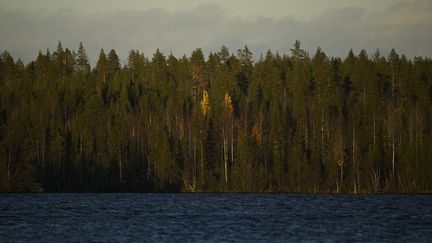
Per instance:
x=214, y=217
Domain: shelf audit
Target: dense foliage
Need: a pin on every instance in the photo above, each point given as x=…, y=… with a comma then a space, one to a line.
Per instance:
x=298, y=122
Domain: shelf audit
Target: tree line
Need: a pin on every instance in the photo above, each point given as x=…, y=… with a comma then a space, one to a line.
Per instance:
x=283, y=123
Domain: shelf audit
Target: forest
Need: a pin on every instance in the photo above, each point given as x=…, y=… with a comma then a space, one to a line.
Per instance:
x=226, y=122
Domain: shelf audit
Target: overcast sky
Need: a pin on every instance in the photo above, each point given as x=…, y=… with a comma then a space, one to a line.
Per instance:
x=183, y=25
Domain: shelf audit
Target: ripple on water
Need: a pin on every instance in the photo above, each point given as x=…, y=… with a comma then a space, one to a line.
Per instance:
x=214, y=217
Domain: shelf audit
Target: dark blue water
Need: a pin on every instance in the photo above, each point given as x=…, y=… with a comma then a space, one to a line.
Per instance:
x=215, y=217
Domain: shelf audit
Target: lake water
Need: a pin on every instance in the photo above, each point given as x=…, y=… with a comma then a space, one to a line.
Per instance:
x=214, y=217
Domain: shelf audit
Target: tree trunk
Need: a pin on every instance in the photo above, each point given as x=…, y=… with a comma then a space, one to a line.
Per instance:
x=8, y=170
x=202, y=162
x=226, y=163
x=374, y=133
x=148, y=145
x=322, y=135
x=194, y=174
x=120, y=170
x=43, y=151
x=225, y=152
x=393, y=161
x=261, y=135
x=354, y=160
x=337, y=186
x=245, y=117
x=341, y=176
x=232, y=139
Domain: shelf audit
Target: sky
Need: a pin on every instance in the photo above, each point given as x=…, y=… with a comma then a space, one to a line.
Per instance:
x=180, y=26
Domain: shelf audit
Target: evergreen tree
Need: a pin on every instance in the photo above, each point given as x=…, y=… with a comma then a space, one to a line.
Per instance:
x=281, y=123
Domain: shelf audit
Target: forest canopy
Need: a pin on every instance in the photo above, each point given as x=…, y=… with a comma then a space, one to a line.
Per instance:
x=294, y=122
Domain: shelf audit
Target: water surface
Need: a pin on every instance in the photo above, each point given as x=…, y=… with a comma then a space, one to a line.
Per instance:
x=215, y=217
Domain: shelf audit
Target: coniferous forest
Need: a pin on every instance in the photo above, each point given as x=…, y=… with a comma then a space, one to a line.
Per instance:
x=296, y=122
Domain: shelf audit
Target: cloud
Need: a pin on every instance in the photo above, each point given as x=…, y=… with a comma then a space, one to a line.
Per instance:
x=405, y=26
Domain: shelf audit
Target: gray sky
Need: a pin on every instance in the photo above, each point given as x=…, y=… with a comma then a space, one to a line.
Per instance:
x=183, y=25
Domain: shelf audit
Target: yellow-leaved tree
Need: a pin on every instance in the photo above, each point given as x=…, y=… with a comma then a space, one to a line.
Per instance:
x=228, y=130
x=205, y=103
